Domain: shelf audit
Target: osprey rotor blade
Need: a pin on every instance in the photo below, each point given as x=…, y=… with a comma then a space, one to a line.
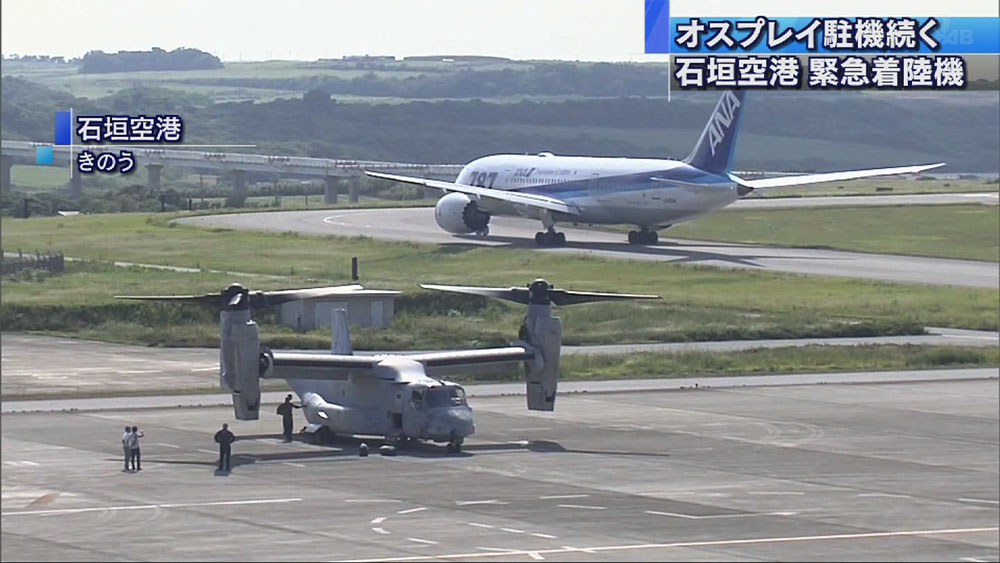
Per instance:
x=259, y=299
x=208, y=299
x=515, y=294
x=566, y=297
x=539, y=292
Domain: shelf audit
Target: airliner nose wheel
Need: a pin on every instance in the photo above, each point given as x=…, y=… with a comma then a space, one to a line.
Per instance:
x=550, y=238
x=642, y=237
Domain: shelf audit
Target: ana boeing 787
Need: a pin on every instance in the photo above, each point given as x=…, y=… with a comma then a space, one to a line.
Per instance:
x=651, y=194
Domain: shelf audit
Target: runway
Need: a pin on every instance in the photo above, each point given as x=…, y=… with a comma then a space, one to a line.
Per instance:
x=418, y=225
x=901, y=471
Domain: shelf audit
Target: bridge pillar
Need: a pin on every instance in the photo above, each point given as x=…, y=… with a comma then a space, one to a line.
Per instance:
x=76, y=184
x=330, y=191
x=239, y=195
x=153, y=170
x=5, y=164
x=354, y=188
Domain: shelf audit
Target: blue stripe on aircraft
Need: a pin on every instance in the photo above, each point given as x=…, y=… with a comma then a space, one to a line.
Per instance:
x=623, y=183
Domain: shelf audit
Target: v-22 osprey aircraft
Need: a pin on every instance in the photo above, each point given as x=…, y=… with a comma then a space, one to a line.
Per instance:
x=399, y=396
x=652, y=194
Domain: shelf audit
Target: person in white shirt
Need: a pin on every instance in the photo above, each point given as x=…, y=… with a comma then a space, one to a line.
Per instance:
x=126, y=446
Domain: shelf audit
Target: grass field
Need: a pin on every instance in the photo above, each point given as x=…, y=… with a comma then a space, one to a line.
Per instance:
x=698, y=303
x=953, y=231
x=824, y=359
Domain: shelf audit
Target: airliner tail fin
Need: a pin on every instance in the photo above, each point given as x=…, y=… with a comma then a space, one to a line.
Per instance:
x=714, y=150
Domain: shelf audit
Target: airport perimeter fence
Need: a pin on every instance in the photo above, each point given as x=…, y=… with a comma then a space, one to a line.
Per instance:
x=11, y=264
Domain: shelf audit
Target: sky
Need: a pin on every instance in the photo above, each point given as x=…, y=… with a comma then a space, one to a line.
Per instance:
x=254, y=30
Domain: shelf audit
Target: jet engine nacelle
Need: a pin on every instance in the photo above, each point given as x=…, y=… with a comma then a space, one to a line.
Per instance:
x=458, y=214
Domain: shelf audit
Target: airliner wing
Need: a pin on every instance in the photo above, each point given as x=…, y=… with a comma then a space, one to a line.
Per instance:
x=830, y=176
x=531, y=200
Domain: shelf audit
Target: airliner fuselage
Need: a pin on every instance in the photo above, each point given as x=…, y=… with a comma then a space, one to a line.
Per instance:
x=649, y=193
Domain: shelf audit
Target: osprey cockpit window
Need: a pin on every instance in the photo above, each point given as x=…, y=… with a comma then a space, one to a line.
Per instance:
x=446, y=396
x=417, y=398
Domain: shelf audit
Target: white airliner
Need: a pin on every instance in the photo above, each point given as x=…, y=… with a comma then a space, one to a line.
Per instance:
x=652, y=194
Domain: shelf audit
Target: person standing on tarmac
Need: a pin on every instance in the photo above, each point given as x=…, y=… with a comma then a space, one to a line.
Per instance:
x=285, y=410
x=126, y=447
x=225, y=439
x=133, y=444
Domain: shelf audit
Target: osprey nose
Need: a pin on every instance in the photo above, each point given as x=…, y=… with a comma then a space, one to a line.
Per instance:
x=459, y=422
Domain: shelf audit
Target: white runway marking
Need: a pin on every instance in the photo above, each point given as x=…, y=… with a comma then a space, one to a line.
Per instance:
x=982, y=500
x=20, y=463
x=973, y=337
x=378, y=520
x=546, y=536
x=580, y=549
x=371, y=500
x=776, y=493
x=583, y=506
x=148, y=506
x=478, y=525
x=294, y=464
x=562, y=496
x=427, y=542
x=411, y=510
x=380, y=530
x=513, y=530
x=166, y=445
x=706, y=543
x=213, y=368
x=204, y=451
x=468, y=502
x=692, y=517
x=882, y=495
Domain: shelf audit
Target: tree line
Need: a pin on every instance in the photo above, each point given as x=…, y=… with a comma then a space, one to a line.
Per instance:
x=155, y=59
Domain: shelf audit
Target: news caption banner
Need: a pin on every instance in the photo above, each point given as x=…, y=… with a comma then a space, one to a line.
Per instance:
x=820, y=53
x=121, y=132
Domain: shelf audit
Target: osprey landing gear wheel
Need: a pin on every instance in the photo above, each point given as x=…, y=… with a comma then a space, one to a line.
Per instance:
x=455, y=445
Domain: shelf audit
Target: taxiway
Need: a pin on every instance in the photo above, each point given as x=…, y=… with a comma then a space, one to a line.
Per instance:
x=838, y=472
x=418, y=225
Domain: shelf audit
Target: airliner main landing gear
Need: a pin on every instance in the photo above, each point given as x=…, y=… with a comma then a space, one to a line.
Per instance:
x=644, y=236
x=484, y=232
x=550, y=238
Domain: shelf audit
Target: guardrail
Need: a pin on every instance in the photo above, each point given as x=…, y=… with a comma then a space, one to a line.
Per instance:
x=12, y=264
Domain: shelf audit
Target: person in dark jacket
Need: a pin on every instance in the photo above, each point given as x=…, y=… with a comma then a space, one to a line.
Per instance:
x=225, y=439
x=285, y=410
x=133, y=443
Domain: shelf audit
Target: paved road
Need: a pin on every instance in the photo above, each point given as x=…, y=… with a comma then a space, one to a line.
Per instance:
x=44, y=365
x=418, y=225
x=901, y=471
